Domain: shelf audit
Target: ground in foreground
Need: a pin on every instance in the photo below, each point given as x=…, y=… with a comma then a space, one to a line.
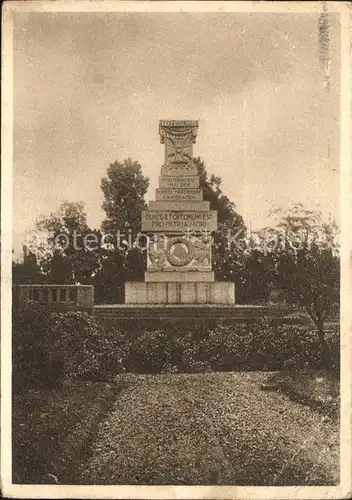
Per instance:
x=213, y=428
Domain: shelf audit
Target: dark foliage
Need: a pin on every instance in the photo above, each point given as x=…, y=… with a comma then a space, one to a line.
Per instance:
x=49, y=349
x=265, y=345
x=124, y=189
x=35, y=359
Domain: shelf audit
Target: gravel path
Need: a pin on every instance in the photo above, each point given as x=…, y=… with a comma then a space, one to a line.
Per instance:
x=213, y=428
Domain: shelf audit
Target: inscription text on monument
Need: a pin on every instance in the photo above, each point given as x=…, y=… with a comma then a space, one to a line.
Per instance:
x=188, y=182
x=179, y=221
x=179, y=194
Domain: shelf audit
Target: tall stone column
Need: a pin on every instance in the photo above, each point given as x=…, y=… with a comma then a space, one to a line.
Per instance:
x=179, y=226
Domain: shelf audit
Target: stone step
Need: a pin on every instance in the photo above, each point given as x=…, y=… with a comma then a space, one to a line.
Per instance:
x=216, y=292
x=130, y=310
x=187, y=276
x=179, y=205
x=188, y=313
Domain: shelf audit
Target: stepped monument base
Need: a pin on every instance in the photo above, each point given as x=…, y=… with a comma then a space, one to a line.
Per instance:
x=184, y=316
x=180, y=293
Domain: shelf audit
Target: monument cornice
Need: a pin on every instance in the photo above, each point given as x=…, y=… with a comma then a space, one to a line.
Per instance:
x=178, y=123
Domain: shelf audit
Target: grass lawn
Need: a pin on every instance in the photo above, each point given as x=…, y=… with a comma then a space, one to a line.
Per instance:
x=318, y=390
x=211, y=428
x=53, y=430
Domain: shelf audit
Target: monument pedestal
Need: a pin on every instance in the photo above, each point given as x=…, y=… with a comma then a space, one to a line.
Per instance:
x=189, y=277
x=179, y=224
x=179, y=288
x=180, y=293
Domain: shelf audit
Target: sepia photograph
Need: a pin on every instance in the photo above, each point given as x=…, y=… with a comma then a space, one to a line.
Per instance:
x=176, y=263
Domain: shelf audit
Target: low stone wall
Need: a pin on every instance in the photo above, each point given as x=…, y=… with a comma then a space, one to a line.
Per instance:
x=58, y=297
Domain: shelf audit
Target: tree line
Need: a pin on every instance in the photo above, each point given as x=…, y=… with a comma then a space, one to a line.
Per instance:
x=295, y=262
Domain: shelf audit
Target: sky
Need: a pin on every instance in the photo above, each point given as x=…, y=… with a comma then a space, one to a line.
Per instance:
x=90, y=89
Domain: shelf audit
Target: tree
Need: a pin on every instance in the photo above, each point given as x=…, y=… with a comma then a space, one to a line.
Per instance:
x=28, y=271
x=308, y=264
x=212, y=192
x=110, y=277
x=228, y=249
x=72, y=252
x=258, y=275
x=124, y=189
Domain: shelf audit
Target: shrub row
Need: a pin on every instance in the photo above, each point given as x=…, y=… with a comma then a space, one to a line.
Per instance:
x=261, y=346
x=51, y=348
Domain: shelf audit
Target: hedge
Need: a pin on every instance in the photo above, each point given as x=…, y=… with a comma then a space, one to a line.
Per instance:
x=50, y=349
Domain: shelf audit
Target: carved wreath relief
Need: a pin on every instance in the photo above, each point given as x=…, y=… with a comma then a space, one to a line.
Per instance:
x=179, y=253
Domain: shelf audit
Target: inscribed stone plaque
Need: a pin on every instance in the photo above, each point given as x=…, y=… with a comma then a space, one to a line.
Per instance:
x=179, y=194
x=153, y=220
x=178, y=170
x=188, y=182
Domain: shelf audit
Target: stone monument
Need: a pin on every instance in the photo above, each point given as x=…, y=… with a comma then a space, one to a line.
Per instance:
x=179, y=227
